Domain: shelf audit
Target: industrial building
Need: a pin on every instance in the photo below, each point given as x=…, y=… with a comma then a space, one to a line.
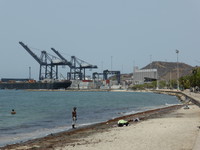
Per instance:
x=144, y=75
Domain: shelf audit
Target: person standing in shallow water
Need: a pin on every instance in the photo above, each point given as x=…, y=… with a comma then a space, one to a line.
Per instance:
x=74, y=117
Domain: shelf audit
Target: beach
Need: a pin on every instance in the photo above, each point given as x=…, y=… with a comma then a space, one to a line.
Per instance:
x=171, y=128
x=175, y=131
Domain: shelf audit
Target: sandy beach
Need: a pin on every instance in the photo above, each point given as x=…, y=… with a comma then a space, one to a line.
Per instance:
x=175, y=131
x=172, y=128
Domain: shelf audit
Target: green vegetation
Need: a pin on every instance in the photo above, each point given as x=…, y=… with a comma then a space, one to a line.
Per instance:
x=153, y=85
x=192, y=80
x=185, y=82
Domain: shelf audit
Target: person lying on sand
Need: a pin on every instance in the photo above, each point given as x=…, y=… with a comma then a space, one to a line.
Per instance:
x=122, y=123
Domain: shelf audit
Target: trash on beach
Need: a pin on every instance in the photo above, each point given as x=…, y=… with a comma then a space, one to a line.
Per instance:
x=186, y=107
x=136, y=119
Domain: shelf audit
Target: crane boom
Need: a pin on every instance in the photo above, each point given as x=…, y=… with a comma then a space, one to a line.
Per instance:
x=31, y=53
x=59, y=55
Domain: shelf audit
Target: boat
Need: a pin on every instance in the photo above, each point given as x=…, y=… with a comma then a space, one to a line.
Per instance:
x=32, y=84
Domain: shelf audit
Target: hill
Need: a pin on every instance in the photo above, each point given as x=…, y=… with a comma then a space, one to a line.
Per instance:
x=168, y=70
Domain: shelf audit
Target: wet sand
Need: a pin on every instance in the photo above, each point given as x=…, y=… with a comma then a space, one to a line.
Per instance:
x=171, y=128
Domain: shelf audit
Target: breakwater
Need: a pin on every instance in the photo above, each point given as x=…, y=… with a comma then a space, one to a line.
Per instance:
x=184, y=96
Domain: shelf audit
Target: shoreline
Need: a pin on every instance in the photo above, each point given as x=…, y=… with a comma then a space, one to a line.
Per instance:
x=71, y=138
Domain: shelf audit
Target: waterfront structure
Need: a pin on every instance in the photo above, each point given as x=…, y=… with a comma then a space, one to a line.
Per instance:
x=49, y=65
x=141, y=76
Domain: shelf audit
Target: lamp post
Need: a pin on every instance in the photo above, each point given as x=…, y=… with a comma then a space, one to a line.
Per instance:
x=111, y=62
x=157, y=82
x=29, y=73
x=177, y=52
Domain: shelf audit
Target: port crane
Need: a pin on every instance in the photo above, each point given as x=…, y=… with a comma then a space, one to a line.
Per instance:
x=78, y=68
x=76, y=65
x=48, y=63
x=106, y=73
x=96, y=75
x=61, y=57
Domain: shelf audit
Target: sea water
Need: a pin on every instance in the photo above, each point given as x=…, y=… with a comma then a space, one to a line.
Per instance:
x=39, y=113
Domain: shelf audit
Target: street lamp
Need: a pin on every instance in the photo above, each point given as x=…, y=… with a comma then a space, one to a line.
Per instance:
x=29, y=73
x=157, y=82
x=111, y=62
x=177, y=51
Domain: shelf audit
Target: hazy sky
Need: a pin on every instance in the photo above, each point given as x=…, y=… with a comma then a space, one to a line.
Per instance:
x=124, y=32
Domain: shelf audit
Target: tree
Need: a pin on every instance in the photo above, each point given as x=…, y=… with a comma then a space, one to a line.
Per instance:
x=192, y=80
x=185, y=82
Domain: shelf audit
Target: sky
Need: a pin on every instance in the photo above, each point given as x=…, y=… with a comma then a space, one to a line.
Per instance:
x=112, y=34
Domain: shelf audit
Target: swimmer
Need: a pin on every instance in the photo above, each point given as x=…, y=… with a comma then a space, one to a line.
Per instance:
x=13, y=112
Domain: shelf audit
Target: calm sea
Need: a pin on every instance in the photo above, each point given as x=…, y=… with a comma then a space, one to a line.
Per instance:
x=40, y=113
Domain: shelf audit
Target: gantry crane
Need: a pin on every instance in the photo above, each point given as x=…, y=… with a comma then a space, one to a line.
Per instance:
x=61, y=57
x=76, y=65
x=48, y=63
x=106, y=72
x=105, y=75
x=96, y=75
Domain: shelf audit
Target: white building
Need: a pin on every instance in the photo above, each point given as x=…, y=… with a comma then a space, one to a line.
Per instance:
x=144, y=75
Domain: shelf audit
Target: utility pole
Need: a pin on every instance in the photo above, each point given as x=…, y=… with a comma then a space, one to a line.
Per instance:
x=150, y=62
x=170, y=78
x=133, y=71
x=111, y=62
x=177, y=52
x=101, y=66
x=157, y=82
x=29, y=73
x=150, y=70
